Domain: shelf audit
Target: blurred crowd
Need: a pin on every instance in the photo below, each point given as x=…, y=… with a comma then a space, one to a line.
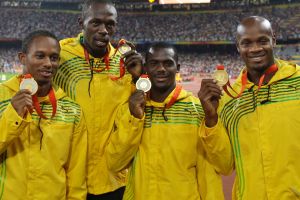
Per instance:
x=219, y=25
x=155, y=26
x=192, y=63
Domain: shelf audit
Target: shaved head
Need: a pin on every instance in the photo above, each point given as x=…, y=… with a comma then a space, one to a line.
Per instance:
x=255, y=43
x=254, y=21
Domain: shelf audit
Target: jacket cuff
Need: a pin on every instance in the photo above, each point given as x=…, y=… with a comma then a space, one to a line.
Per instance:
x=14, y=121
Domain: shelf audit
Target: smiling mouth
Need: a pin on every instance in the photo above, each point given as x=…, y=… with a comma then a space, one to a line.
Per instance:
x=101, y=43
x=257, y=58
x=46, y=73
x=161, y=78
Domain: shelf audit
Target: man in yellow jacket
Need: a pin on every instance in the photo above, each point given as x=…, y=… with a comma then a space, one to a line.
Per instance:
x=166, y=158
x=91, y=73
x=261, y=117
x=43, y=135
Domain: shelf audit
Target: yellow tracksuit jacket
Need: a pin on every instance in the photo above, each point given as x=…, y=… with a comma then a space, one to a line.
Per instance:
x=99, y=108
x=42, y=159
x=169, y=161
x=264, y=130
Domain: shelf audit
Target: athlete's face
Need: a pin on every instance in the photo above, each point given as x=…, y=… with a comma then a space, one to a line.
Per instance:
x=98, y=25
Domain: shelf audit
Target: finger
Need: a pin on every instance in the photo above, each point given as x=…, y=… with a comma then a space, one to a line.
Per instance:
x=24, y=91
x=211, y=95
x=210, y=85
x=135, y=56
x=215, y=89
x=131, y=45
x=129, y=53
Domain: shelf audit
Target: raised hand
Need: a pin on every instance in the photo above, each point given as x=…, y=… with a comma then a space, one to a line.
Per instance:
x=209, y=95
x=137, y=104
x=22, y=102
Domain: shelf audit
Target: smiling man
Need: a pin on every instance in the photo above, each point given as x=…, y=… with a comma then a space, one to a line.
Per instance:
x=167, y=158
x=91, y=73
x=43, y=135
x=263, y=122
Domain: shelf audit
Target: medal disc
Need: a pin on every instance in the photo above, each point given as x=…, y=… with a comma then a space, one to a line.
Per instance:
x=221, y=77
x=143, y=84
x=125, y=48
x=29, y=84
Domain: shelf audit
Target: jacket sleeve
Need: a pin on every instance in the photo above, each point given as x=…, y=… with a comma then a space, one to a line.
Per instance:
x=217, y=146
x=11, y=126
x=76, y=166
x=209, y=181
x=124, y=141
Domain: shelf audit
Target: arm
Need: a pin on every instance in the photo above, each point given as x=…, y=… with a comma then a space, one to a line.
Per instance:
x=217, y=146
x=76, y=166
x=15, y=118
x=212, y=132
x=209, y=181
x=125, y=140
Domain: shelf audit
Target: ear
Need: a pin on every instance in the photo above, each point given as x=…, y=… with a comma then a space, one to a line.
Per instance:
x=273, y=40
x=22, y=58
x=178, y=68
x=237, y=46
x=80, y=22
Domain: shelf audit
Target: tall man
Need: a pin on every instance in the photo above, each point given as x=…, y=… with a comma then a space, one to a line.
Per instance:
x=43, y=137
x=262, y=122
x=92, y=75
x=167, y=158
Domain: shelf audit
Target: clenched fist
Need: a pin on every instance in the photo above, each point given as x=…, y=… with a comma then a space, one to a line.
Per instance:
x=133, y=62
x=209, y=95
x=137, y=104
x=22, y=102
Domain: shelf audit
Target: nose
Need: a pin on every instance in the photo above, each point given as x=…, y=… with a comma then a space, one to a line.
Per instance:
x=47, y=62
x=160, y=67
x=255, y=47
x=102, y=30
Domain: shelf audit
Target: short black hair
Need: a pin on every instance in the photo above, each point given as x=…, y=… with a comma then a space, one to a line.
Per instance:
x=162, y=45
x=26, y=42
x=88, y=3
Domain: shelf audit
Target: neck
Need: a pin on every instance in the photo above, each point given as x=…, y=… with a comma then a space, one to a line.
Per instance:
x=254, y=76
x=159, y=95
x=44, y=90
x=95, y=53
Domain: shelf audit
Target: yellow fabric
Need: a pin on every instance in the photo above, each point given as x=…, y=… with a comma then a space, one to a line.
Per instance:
x=99, y=107
x=169, y=161
x=42, y=159
x=264, y=131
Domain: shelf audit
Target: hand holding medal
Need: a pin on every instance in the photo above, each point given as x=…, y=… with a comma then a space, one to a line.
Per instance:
x=222, y=78
x=143, y=83
x=130, y=58
x=28, y=83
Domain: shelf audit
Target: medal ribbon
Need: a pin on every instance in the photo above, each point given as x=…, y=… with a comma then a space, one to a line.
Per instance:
x=174, y=97
x=53, y=102
x=244, y=79
x=36, y=104
x=106, y=61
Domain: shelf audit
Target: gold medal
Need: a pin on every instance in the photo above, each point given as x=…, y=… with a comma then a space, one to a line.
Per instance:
x=221, y=76
x=123, y=49
x=143, y=84
x=29, y=84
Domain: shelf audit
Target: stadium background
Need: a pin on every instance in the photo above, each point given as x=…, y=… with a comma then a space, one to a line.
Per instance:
x=204, y=33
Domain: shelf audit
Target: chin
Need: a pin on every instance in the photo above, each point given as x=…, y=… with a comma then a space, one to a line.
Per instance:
x=43, y=81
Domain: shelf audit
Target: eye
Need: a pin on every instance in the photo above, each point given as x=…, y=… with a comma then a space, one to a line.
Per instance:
x=168, y=63
x=39, y=56
x=95, y=23
x=264, y=41
x=245, y=43
x=152, y=63
x=54, y=58
x=110, y=25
